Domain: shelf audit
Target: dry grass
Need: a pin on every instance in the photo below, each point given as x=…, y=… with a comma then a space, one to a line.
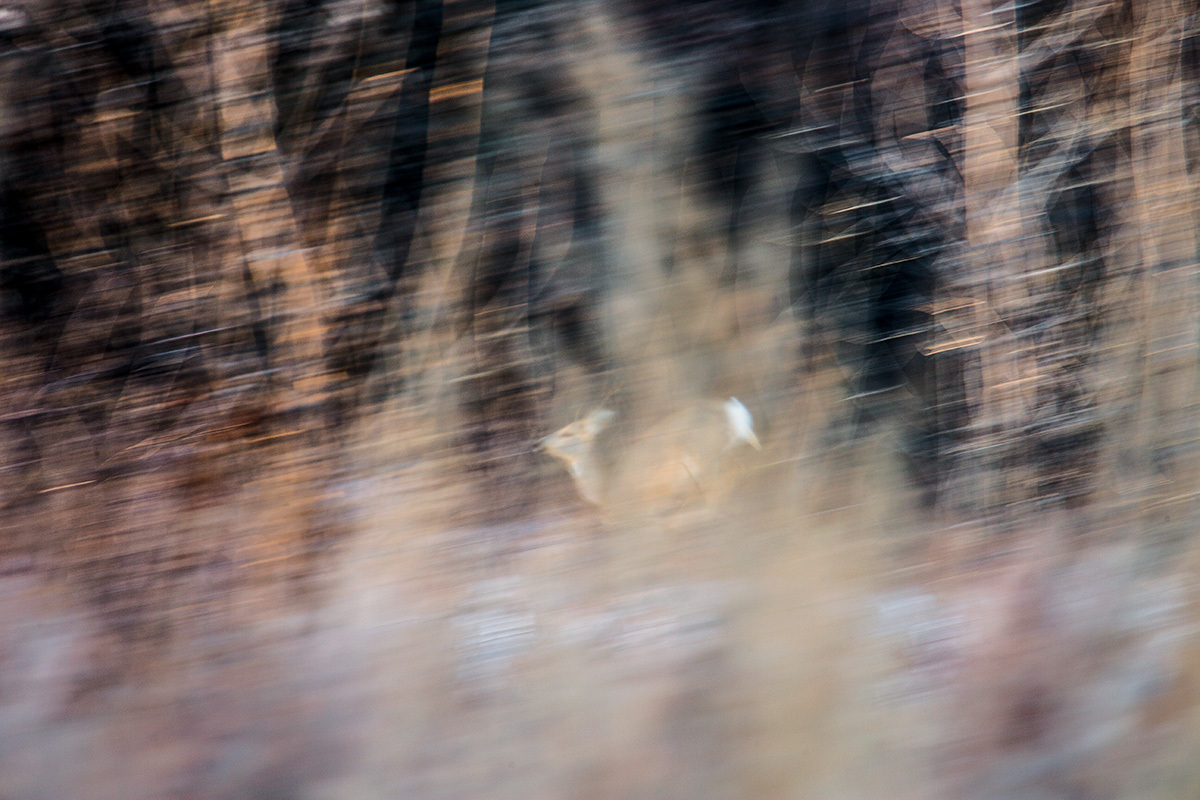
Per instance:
x=212, y=590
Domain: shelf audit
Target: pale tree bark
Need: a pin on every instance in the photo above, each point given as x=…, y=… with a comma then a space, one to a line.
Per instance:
x=280, y=270
x=1002, y=397
x=1166, y=227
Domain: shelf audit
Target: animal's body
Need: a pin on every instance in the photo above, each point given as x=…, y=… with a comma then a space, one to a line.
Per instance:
x=672, y=463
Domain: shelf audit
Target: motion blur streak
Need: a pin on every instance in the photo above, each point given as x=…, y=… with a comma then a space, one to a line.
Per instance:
x=599, y=399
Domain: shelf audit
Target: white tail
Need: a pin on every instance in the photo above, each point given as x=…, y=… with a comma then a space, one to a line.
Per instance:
x=741, y=424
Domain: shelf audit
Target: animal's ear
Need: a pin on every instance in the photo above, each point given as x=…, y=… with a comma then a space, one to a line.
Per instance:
x=600, y=419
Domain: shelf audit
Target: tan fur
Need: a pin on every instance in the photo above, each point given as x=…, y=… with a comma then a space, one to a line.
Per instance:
x=675, y=462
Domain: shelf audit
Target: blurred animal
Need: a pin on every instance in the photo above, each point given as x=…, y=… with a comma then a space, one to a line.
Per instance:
x=674, y=462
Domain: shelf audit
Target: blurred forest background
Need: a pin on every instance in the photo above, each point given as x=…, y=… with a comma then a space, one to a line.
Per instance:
x=290, y=289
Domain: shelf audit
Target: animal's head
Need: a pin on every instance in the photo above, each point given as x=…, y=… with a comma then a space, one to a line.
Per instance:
x=741, y=424
x=571, y=444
